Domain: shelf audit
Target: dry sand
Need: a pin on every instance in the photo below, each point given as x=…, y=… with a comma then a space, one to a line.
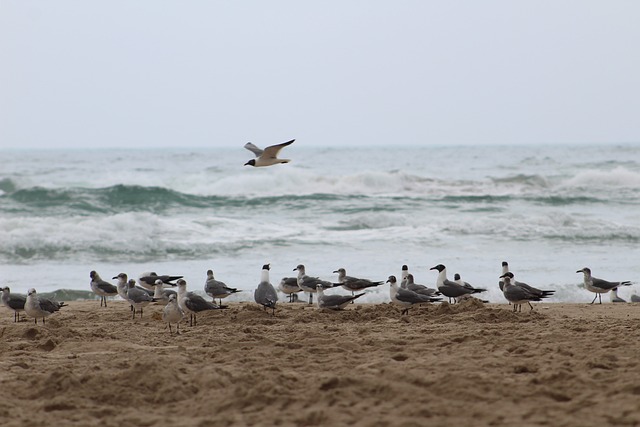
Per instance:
x=560, y=365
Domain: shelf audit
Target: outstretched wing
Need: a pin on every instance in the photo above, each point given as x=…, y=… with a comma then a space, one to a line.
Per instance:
x=273, y=150
x=255, y=150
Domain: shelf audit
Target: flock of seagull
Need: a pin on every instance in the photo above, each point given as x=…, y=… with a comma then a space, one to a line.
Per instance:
x=152, y=288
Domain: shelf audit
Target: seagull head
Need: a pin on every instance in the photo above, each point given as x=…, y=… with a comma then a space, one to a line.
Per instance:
x=93, y=274
x=251, y=162
x=405, y=268
x=300, y=267
x=341, y=271
x=266, y=267
x=438, y=267
x=181, y=283
x=172, y=298
x=586, y=271
x=507, y=277
x=131, y=283
x=31, y=291
x=392, y=280
x=5, y=289
x=210, y=273
x=158, y=282
x=122, y=277
x=456, y=276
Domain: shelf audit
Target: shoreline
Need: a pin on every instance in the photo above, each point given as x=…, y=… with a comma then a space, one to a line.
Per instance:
x=463, y=364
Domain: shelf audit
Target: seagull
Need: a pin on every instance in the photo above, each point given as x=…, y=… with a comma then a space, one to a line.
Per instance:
x=308, y=283
x=268, y=156
x=459, y=281
x=13, y=302
x=518, y=295
x=289, y=286
x=405, y=297
x=172, y=313
x=533, y=291
x=265, y=294
x=101, y=288
x=452, y=289
x=334, y=302
x=599, y=286
x=353, y=283
x=40, y=307
x=419, y=289
x=614, y=296
x=403, y=276
x=138, y=298
x=217, y=289
x=161, y=294
x=505, y=270
x=148, y=280
x=192, y=303
x=123, y=287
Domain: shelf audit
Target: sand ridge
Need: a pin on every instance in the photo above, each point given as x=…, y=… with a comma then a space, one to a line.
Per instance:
x=466, y=364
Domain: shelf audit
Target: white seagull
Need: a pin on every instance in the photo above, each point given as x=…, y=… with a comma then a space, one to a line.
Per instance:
x=172, y=313
x=599, y=286
x=40, y=307
x=268, y=156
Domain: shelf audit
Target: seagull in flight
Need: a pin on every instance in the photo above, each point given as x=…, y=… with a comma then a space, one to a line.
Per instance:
x=268, y=156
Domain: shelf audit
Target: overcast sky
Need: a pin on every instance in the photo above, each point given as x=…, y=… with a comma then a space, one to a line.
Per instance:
x=149, y=73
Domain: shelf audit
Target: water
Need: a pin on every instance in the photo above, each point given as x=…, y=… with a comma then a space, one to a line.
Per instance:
x=547, y=210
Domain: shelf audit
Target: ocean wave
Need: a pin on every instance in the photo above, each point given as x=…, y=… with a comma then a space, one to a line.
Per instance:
x=617, y=178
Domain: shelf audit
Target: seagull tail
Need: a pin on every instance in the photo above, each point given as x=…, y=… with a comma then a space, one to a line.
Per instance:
x=478, y=290
x=626, y=283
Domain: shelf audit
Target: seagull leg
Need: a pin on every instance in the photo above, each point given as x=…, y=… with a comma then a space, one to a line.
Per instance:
x=515, y=307
x=170, y=331
x=195, y=320
x=600, y=298
x=141, y=312
x=310, y=298
x=134, y=313
x=530, y=305
x=594, y=299
x=43, y=323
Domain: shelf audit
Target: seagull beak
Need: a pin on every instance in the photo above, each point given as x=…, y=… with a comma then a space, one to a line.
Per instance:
x=580, y=271
x=433, y=268
x=336, y=271
x=115, y=277
x=503, y=276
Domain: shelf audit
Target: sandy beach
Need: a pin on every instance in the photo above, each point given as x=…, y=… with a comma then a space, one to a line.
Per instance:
x=466, y=364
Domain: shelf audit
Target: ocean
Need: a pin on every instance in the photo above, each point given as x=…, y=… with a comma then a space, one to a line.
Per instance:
x=547, y=210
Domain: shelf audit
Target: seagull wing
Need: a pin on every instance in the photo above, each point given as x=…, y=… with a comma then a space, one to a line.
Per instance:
x=273, y=150
x=255, y=150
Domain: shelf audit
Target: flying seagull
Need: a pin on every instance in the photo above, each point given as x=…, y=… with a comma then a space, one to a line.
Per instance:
x=268, y=156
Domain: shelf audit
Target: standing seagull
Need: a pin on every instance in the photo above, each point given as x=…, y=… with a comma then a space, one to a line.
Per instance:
x=452, y=289
x=289, y=286
x=265, y=294
x=517, y=295
x=599, y=286
x=101, y=288
x=172, y=313
x=334, y=302
x=405, y=297
x=308, y=283
x=217, y=289
x=138, y=298
x=533, y=291
x=40, y=307
x=268, y=156
x=192, y=303
x=13, y=302
x=354, y=284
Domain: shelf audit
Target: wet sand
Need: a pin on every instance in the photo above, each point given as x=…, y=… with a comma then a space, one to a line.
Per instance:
x=442, y=365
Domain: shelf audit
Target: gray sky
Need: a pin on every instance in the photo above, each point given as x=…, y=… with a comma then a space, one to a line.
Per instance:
x=149, y=73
